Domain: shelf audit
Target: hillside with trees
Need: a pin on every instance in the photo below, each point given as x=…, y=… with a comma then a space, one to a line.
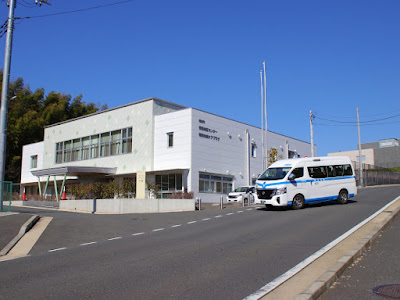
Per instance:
x=29, y=112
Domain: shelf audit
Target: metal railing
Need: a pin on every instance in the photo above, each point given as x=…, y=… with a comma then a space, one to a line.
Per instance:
x=373, y=175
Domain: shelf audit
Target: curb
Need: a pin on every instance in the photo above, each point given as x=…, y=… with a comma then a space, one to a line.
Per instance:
x=24, y=229
x=329, y=277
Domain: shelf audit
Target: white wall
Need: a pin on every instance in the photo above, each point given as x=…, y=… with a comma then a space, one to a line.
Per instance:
x=178, y=156
x=27, y=152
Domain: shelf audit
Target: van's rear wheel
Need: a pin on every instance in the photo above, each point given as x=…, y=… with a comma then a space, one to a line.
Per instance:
x=298, y=202
x=343, y=197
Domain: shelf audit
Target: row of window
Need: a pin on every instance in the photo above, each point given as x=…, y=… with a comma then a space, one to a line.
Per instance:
x=98, y=145
x=209, y=183
x=330, y=171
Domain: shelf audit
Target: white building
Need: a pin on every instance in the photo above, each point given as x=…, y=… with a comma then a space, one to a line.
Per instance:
x=179, y=148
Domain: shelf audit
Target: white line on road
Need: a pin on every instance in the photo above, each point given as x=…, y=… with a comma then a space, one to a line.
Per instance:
x=158, y=229
x=219, y=216
x=86, y=244
x=191, y=222
x=206, y=219
x=58, y=249
x=115, y=238
x=177, y=225
x=229, y=214
x=240, y=211
x=138, y=233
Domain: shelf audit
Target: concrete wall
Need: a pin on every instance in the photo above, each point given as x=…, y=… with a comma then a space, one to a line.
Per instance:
x=27, y=152
x=125, y=206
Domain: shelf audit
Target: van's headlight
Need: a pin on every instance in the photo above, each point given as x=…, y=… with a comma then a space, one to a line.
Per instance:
x=279, y=191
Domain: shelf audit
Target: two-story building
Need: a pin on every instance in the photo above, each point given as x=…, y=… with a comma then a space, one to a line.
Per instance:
x=179, y=148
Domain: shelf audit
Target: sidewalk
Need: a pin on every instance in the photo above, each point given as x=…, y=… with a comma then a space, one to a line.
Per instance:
x=13, y=227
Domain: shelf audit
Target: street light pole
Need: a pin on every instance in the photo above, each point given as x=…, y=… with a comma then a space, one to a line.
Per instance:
x=4, y=94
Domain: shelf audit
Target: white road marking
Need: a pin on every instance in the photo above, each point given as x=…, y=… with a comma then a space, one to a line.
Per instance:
x=229, y=214
x=206, y=219
x=240, y=211
x=115, y=238
x=58, y=249
x=219, y=216
x=158, y=229
x=191, y=222
x=86, y=244
x=177, y=225
x=138, y=233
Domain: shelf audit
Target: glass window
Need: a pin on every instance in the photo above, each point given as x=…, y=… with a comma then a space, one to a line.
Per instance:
x=34, y=161
x=274, y=173
x=298, y=172
x=59, y=152
x=76, y=150
x=67, y=151
x=253, y=150
x=214, y=184
x=331, y=171
x=105, y=144
x=347, y=170
x=170, y=139
x=86, y=147
x=317, y=172
x=339, y=170
x=116, y=142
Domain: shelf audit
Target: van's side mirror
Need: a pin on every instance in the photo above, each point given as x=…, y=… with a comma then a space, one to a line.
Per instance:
x=292, y=176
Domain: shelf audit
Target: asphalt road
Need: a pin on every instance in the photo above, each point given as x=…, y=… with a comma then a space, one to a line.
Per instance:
x=215, y=254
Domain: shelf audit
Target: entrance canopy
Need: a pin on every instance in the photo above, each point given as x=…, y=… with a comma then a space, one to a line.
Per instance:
x=75, y=171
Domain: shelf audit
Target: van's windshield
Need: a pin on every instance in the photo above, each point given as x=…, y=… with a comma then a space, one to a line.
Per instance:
x=274, y=173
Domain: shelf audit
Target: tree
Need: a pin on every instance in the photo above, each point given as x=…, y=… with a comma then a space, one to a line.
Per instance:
x=272, y=156
x=29, y=112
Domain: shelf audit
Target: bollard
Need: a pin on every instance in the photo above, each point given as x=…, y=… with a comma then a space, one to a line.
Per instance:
x=222, y=200
x=94, y=205
x=199, y=203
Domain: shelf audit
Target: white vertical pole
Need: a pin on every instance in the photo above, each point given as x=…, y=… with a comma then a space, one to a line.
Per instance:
x=265, y=110
x=312, y=133
x=262, y=122
x=359, y=152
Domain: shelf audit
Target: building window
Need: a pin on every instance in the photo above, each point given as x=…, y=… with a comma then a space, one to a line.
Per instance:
x=253, y=150
x=33, y=161
x=210, y=183
x=168, y=183
x=98, y=145
x=170, y=139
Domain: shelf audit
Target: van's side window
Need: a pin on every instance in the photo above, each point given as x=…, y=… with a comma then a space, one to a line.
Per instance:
x=317, y=172
x=339, y=170
x=331, y=171
x=298, y=172
x=347, y=170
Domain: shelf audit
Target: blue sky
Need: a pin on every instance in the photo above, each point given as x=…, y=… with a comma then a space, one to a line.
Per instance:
x=326, y=56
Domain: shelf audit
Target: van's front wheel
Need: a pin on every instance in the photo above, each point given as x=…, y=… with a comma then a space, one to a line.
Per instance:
x=343, y=197
x=298, y=202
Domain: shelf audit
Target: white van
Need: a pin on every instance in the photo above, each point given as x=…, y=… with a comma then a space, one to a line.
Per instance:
x=300, y=181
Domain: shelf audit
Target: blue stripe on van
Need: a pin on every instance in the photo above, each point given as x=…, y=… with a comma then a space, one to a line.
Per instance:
x=318, y=200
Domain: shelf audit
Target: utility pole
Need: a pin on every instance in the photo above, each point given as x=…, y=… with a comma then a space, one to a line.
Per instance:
x=312, y=133
x=262, y=122
x=265, y=113
x=360, y=171
x=4, y=94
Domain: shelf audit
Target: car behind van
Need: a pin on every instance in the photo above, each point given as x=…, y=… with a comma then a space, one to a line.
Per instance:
x=243, y=193
x=301, y=181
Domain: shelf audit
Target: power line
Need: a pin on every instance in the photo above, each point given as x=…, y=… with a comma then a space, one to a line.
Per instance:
x=78, y=10
x=352, y=117
x=355, y=122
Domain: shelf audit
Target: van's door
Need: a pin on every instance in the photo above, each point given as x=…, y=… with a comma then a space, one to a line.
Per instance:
x=298, y=185
x=318, y=187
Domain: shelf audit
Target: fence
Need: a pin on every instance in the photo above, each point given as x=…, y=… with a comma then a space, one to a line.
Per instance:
x=5, y=194
x=373, y=175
